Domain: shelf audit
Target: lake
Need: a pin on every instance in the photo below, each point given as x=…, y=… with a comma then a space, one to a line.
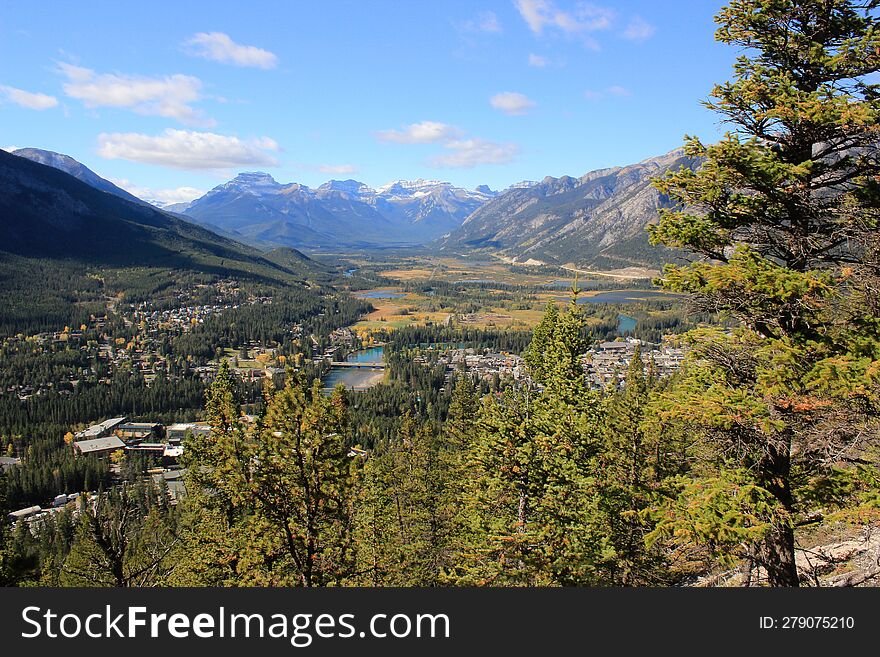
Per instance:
x=627, y=296
x=379, y=294
x=355, y=378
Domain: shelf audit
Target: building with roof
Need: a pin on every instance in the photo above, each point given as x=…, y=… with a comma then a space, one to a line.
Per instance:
x=22, y=514
x=174, y=481
x=7, y=462
x=173, y=451
x=156, y=449
x=99, y=430
x=139, y=430
x=99, y=447
x=177, y=432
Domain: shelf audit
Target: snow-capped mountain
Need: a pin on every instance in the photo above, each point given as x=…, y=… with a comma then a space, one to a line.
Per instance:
x=352, y=187
x=249, y=183
x=257, y=208
x=430, y=206
x=523, y=184
x=179, y=208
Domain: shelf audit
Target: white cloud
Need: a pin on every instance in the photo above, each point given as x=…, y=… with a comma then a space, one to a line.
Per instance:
x=10, y=149
x=460, y=152
x=541, y=15
x=426, y=132
x=468, y=153
x=512, y=103
x=538, y=61
x=182, y=149
x=485, y=21
x=28, y=99
x=591, y=17
x=337, y=169
x=219, y=47
x=168, y=96
x=639, y=30
x=160, y=197
x=619, y=91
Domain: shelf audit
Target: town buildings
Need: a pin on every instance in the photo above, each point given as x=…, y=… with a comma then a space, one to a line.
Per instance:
x=605, y=364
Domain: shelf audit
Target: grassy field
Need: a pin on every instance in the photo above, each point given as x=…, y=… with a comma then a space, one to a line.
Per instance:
x=482, y=307
x=398, y=312
x=453, y=270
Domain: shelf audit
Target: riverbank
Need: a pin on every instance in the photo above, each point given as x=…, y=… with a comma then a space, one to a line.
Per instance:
x=355, y=378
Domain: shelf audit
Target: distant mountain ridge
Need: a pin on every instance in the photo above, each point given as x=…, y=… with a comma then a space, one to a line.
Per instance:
x=598, y=219
x=47, y=213
x=76, y=169
x=339, y=213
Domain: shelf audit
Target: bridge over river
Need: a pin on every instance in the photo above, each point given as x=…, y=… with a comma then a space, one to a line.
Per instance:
x=360, y=370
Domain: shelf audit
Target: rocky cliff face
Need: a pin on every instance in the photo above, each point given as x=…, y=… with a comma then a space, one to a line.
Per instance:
x=599, y=218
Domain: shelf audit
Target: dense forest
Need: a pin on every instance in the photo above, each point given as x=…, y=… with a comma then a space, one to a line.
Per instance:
x=77, y=385
x=730, y=472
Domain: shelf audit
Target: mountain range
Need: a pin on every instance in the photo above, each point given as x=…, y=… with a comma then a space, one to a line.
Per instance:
x=48, y=213
x=598, y=219
x=338, y=214
x=253, y=207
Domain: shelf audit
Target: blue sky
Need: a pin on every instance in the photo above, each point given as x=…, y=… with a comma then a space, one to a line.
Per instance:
x=173, y=98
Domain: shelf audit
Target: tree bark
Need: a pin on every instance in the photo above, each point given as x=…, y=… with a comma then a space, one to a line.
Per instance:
x=777, y=553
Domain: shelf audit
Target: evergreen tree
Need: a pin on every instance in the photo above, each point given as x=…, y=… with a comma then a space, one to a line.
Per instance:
x=117, y=544
x=303, y=481
x=23, y=555
x=564, y=373
x=784, y=215
x=6, y=574
x=272, y=504
x=213, y=513
x=56, y=534
x=405, y=516
x=537, y=354
x=219, y=461
x=462, y=416
x=532, y=512
x=634, y=462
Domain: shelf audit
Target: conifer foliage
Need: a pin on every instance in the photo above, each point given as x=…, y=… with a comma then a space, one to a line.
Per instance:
x=278, y=496
x=533, y=511
x=783, y=215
